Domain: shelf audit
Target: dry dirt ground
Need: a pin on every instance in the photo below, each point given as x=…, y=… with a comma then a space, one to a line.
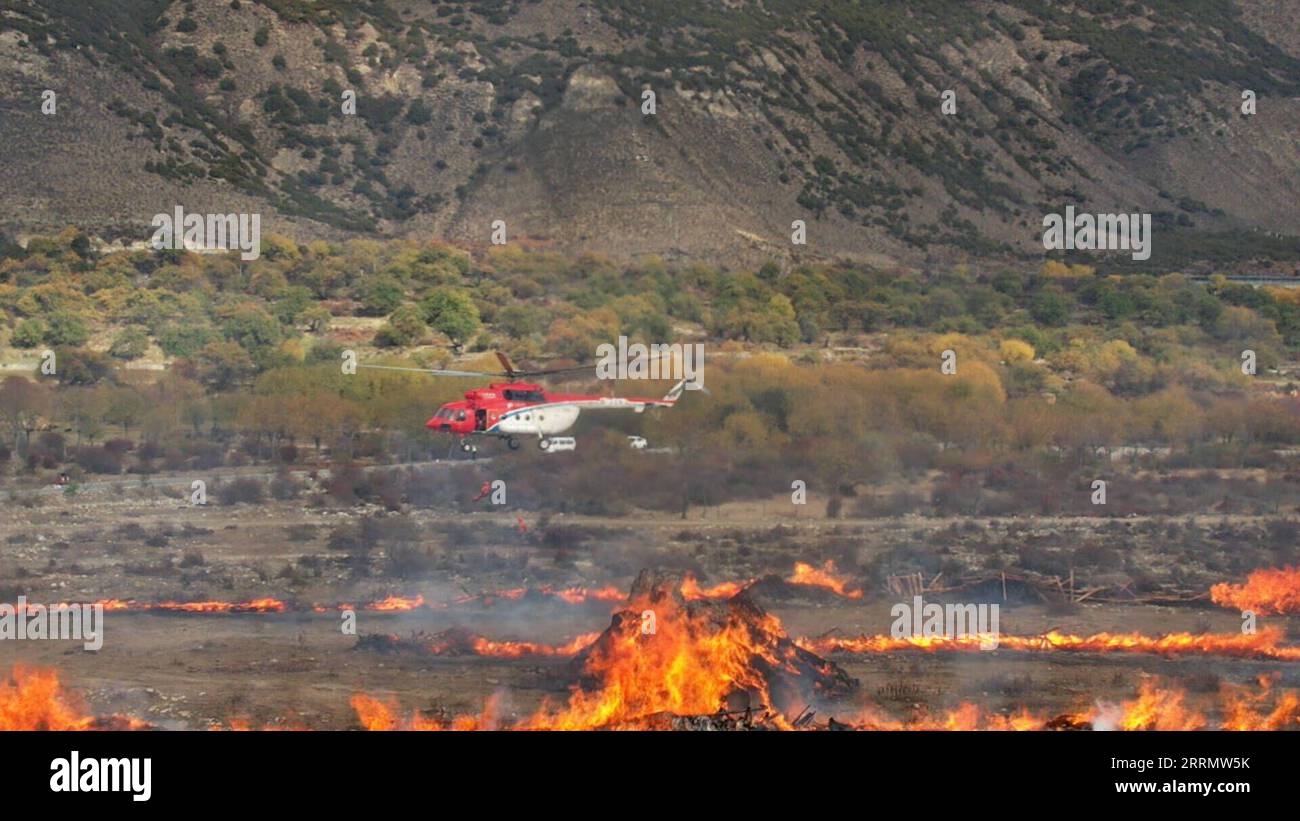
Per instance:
x=299, y=669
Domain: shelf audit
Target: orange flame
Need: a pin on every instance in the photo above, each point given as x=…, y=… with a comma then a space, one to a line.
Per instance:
x=396, y=604
x=825, y=577
x=35, y=700
x=966, y=716
x=688, y=666
x=691, y=590
x=518, y=649
x=1266, y=709
x=375, y=714
x=1156, y=707
x=580, y=595
x=1264, y=644
x=696, y=657
x=803, y=574
x=1270, y=592
x=266, y=605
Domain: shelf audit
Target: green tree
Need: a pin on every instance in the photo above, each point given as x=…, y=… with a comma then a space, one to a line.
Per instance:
x=66, y=328
x=125, y=407
x=518, y=321
x=131, y=343
x=292, y=302
x=28, y=334
x=315, y=319
x=324, y=352
x=451, y=313
x=185, y=340
x=1050, y=308
x=223, y=365
x=405, y=327
x=253, y=329
x=381, y=295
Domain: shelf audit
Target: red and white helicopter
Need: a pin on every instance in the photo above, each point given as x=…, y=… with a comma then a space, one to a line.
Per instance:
x=509, y=410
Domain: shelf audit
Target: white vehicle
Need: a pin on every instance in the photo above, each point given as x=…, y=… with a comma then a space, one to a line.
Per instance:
x=637, y=442
x=554, y=444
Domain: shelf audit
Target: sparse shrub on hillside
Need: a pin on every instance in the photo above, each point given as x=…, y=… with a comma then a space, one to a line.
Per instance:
x=347, y=538
x=245, y=490
x=410, y=560
x=28, y=334
x=94, y=459
x=185, y=339
x=131, y=343
x=65, y=328
x=301, y=532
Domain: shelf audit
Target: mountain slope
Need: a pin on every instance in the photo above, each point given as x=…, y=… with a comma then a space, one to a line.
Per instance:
x=766, y=112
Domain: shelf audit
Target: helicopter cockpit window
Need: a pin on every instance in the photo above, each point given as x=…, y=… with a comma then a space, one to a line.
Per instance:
x=460, y=416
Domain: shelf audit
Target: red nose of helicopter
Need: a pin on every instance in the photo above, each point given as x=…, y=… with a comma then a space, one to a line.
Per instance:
x=450, y=419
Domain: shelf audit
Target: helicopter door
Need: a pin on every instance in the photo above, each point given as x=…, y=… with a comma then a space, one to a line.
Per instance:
x=480, y=419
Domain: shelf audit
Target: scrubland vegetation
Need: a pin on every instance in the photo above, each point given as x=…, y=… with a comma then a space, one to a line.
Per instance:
x=828, y=374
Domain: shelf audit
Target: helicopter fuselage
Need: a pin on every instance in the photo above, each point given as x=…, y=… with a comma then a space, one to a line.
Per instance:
x=521, y=409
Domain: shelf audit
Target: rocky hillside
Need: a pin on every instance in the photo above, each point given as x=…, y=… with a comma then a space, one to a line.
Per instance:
x=531, y=112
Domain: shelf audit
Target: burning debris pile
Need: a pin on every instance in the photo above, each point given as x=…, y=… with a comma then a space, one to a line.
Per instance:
x=666, y=654
x=667, y=660
x=728, y=721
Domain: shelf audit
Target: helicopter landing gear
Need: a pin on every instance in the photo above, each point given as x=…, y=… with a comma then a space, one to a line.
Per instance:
x=544, y=444
x=512, y=443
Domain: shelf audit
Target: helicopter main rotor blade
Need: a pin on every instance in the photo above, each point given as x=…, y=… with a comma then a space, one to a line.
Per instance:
x=549, y=371
x=510, y=371
x=506, y=363
x=433, y=371
x=579, y=368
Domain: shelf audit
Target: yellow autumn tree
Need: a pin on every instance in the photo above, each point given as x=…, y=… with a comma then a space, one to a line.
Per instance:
x=1016, y=350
